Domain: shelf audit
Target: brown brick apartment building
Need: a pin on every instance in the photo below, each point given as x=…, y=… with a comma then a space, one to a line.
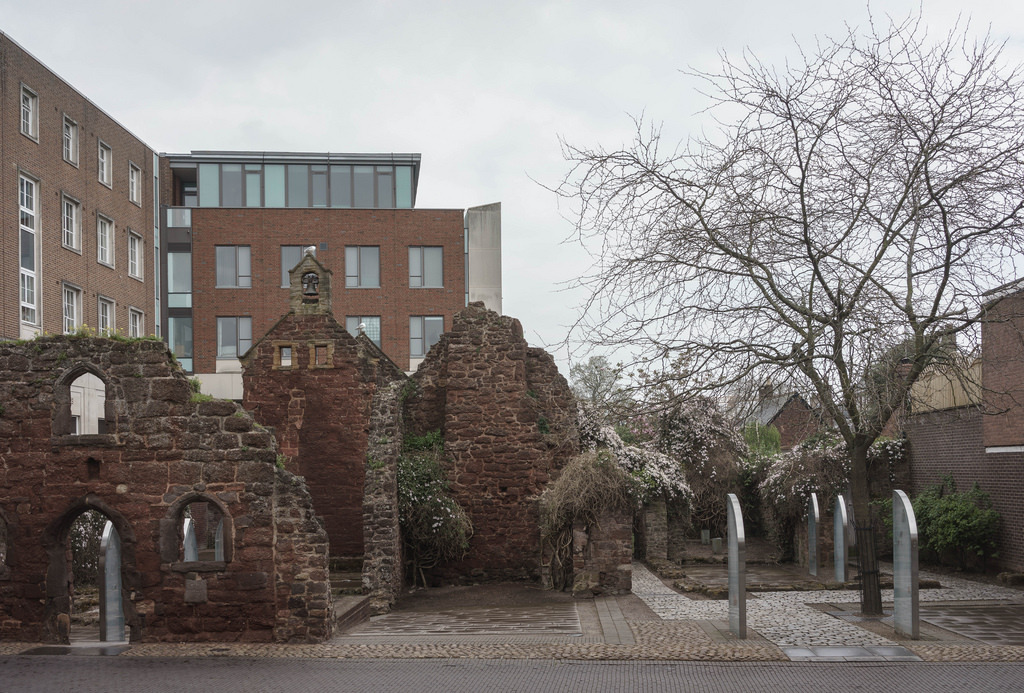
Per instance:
x=77, y=209
x=96, y=229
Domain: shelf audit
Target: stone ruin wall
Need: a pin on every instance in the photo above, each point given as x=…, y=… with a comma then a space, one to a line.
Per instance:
x=161, y=452
x=508, y=421
x=320, y=413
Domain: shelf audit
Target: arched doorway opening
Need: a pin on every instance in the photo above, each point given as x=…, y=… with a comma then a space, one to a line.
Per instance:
x=91, y=554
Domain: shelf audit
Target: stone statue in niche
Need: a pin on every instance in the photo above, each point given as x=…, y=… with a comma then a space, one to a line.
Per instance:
x=310, y=285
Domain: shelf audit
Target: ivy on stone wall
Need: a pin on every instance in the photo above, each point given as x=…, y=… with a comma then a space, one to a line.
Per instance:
x=435, y=529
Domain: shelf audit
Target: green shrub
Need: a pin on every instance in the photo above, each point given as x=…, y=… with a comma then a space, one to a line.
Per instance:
x=435, y=529
x=956, y=527
x=961, y=525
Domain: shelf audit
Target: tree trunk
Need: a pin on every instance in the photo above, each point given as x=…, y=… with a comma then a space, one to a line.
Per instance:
x=871, y=589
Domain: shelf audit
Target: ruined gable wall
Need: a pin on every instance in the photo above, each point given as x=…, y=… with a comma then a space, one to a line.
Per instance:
x=162, y=452
x=320, y=413
x=492, y=392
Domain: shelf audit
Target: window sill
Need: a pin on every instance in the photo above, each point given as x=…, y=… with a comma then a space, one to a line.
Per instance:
x=105, y=264
x=105, y=440
x=199, y=566
x=72, y=248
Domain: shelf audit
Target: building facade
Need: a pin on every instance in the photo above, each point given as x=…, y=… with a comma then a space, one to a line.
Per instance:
x=98, y=229
x=79, y=210
x=239, y=221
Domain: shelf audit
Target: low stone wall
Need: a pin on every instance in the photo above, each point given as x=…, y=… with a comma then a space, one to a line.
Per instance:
x=603, y=555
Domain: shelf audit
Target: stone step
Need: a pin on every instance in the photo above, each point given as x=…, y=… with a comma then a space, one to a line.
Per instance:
x=350, y=611
x=346, y=582
x=346, y=564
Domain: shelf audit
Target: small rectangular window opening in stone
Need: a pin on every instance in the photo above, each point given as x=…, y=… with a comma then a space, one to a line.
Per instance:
x=321, y=354
x=284, y=356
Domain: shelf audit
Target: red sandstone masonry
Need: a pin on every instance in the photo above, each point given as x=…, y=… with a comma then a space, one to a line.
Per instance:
x=163, y=451
x=506, y=433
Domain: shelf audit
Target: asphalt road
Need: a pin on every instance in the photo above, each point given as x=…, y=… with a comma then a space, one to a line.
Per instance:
x=53, y=674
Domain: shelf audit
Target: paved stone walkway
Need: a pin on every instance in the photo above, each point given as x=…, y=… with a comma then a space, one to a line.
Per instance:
x=794, y=621
x=798, y=626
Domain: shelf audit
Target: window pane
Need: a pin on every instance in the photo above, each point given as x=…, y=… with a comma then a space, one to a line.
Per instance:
x=209, y=185
x=432, y=329
x=252, y=188
x=319, y=185
x=298, y=185
x=232, y=180
x=363, y=179
x=225, y=265
x=341, y=186
x=244, y=266
x=273, y=185
x=179, y=280
x=28, y=250
x=351, y=265
x=432, y=267
x=385, y=193
x=372, y=329
x=244, y=335
x=352, y=325
x=227, y=337
x=416, y=335
x=403, y=187
x=415, y=266
x=290, y=256
x=369, y=266
x=179, y=336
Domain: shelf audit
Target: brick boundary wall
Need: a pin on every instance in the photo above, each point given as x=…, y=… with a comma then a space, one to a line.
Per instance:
x=951, y=442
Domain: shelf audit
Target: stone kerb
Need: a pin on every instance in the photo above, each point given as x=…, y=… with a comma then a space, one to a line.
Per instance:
x=162, y=450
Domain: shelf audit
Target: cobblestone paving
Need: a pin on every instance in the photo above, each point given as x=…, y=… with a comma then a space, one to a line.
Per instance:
x=560, y=619
x=786, y=619
x=687, y=632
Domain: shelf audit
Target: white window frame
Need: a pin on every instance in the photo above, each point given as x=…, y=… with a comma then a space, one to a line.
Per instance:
x=104, y=250
x=71, y=223
x=104, y=164
x=418, y=256
x=69, y=137
x=241, y=271
x=28, y=279
x=234, y=351
x=71, y=302
x=29, y=113
x=135, y=250
x=106, y=320
x=355, y=272
x=421, y=320
x=136, y=323
x=134, y=184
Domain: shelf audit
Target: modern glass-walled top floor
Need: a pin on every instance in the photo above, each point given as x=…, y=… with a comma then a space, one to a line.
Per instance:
x=232, y=179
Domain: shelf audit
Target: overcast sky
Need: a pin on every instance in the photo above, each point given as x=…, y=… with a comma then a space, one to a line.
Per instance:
x=483, y=90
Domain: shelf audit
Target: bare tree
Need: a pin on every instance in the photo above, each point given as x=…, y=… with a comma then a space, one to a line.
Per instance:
x=842, y=223
x=596, y=381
